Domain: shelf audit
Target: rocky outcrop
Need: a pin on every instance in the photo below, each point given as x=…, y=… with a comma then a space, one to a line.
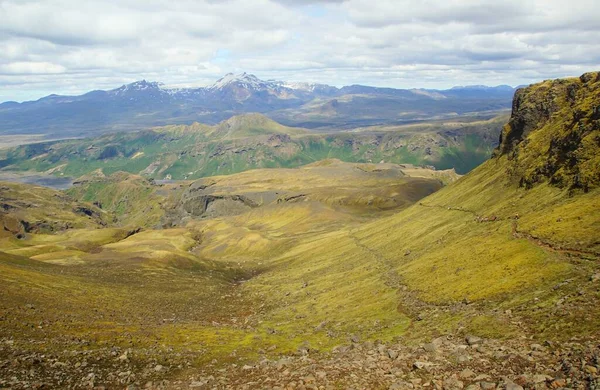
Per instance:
x=217, y=205
x=554, y=133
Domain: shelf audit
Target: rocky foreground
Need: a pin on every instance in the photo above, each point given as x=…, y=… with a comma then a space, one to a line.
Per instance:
x=444, y=363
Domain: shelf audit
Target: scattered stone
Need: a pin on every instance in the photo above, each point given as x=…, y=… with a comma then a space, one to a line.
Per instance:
x=462, y=359
x=303, y=349
x=513, y=386
x=365, y=365
x=401, y=385
x=421, y=365
x=539, y=378
x=453, y=384
x=473, y=340
x=521, y=380
x=283, y=362
x=466, y=374
x=430, y=347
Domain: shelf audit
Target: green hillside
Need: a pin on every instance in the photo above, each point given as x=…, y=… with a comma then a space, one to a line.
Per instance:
x=253, y=141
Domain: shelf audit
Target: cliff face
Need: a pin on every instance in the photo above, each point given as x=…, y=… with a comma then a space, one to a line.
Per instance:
x=554, y=133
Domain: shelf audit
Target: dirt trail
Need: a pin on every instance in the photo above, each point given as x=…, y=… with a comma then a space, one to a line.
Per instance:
x=516, y=233
x=391, y=278
x=409, y=301
x=570, y=252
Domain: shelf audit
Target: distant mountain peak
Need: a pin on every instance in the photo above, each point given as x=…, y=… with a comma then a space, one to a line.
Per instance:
x=244, y=79
x=141, y=85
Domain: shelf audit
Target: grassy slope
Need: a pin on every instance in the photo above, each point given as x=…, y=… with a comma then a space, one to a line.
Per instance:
x=131, y=199
x=333, y=182
x=27, y=208
x=505, y=250
x=442, y=256
x=132, y=281
x=317, y=275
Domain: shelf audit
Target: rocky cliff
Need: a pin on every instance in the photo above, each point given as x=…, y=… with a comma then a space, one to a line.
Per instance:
x=554, y=133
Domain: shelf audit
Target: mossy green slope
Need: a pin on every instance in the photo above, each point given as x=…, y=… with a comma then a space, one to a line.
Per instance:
x=32, y=209
x=130, y=199
x=482, y=254
x=485, y=239
x=207, y=261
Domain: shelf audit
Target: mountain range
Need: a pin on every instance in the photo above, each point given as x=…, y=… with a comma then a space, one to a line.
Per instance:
x=145, y=104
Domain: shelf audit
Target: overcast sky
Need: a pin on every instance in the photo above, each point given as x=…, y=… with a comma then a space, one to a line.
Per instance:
x=73, y=46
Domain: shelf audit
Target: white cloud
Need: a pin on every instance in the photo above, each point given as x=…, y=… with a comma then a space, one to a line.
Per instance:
x=26, y=68
x=71, y=46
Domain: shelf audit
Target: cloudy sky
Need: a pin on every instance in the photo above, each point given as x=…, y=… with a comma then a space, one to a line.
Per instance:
x=72, y=46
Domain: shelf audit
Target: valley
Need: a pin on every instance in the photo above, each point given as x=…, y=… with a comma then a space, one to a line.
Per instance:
x=281, y=258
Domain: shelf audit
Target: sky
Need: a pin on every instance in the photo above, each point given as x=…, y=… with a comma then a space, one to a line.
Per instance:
x=74, y=46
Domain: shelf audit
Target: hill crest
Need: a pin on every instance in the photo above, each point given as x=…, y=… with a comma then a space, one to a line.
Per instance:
x=242, y=125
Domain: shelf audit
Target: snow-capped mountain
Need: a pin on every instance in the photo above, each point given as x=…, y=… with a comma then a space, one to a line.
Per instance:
x=244, y=86
x=144, y=104
x=230, y=89
x=245, y=80
x=138, y=86
x=147, y=88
